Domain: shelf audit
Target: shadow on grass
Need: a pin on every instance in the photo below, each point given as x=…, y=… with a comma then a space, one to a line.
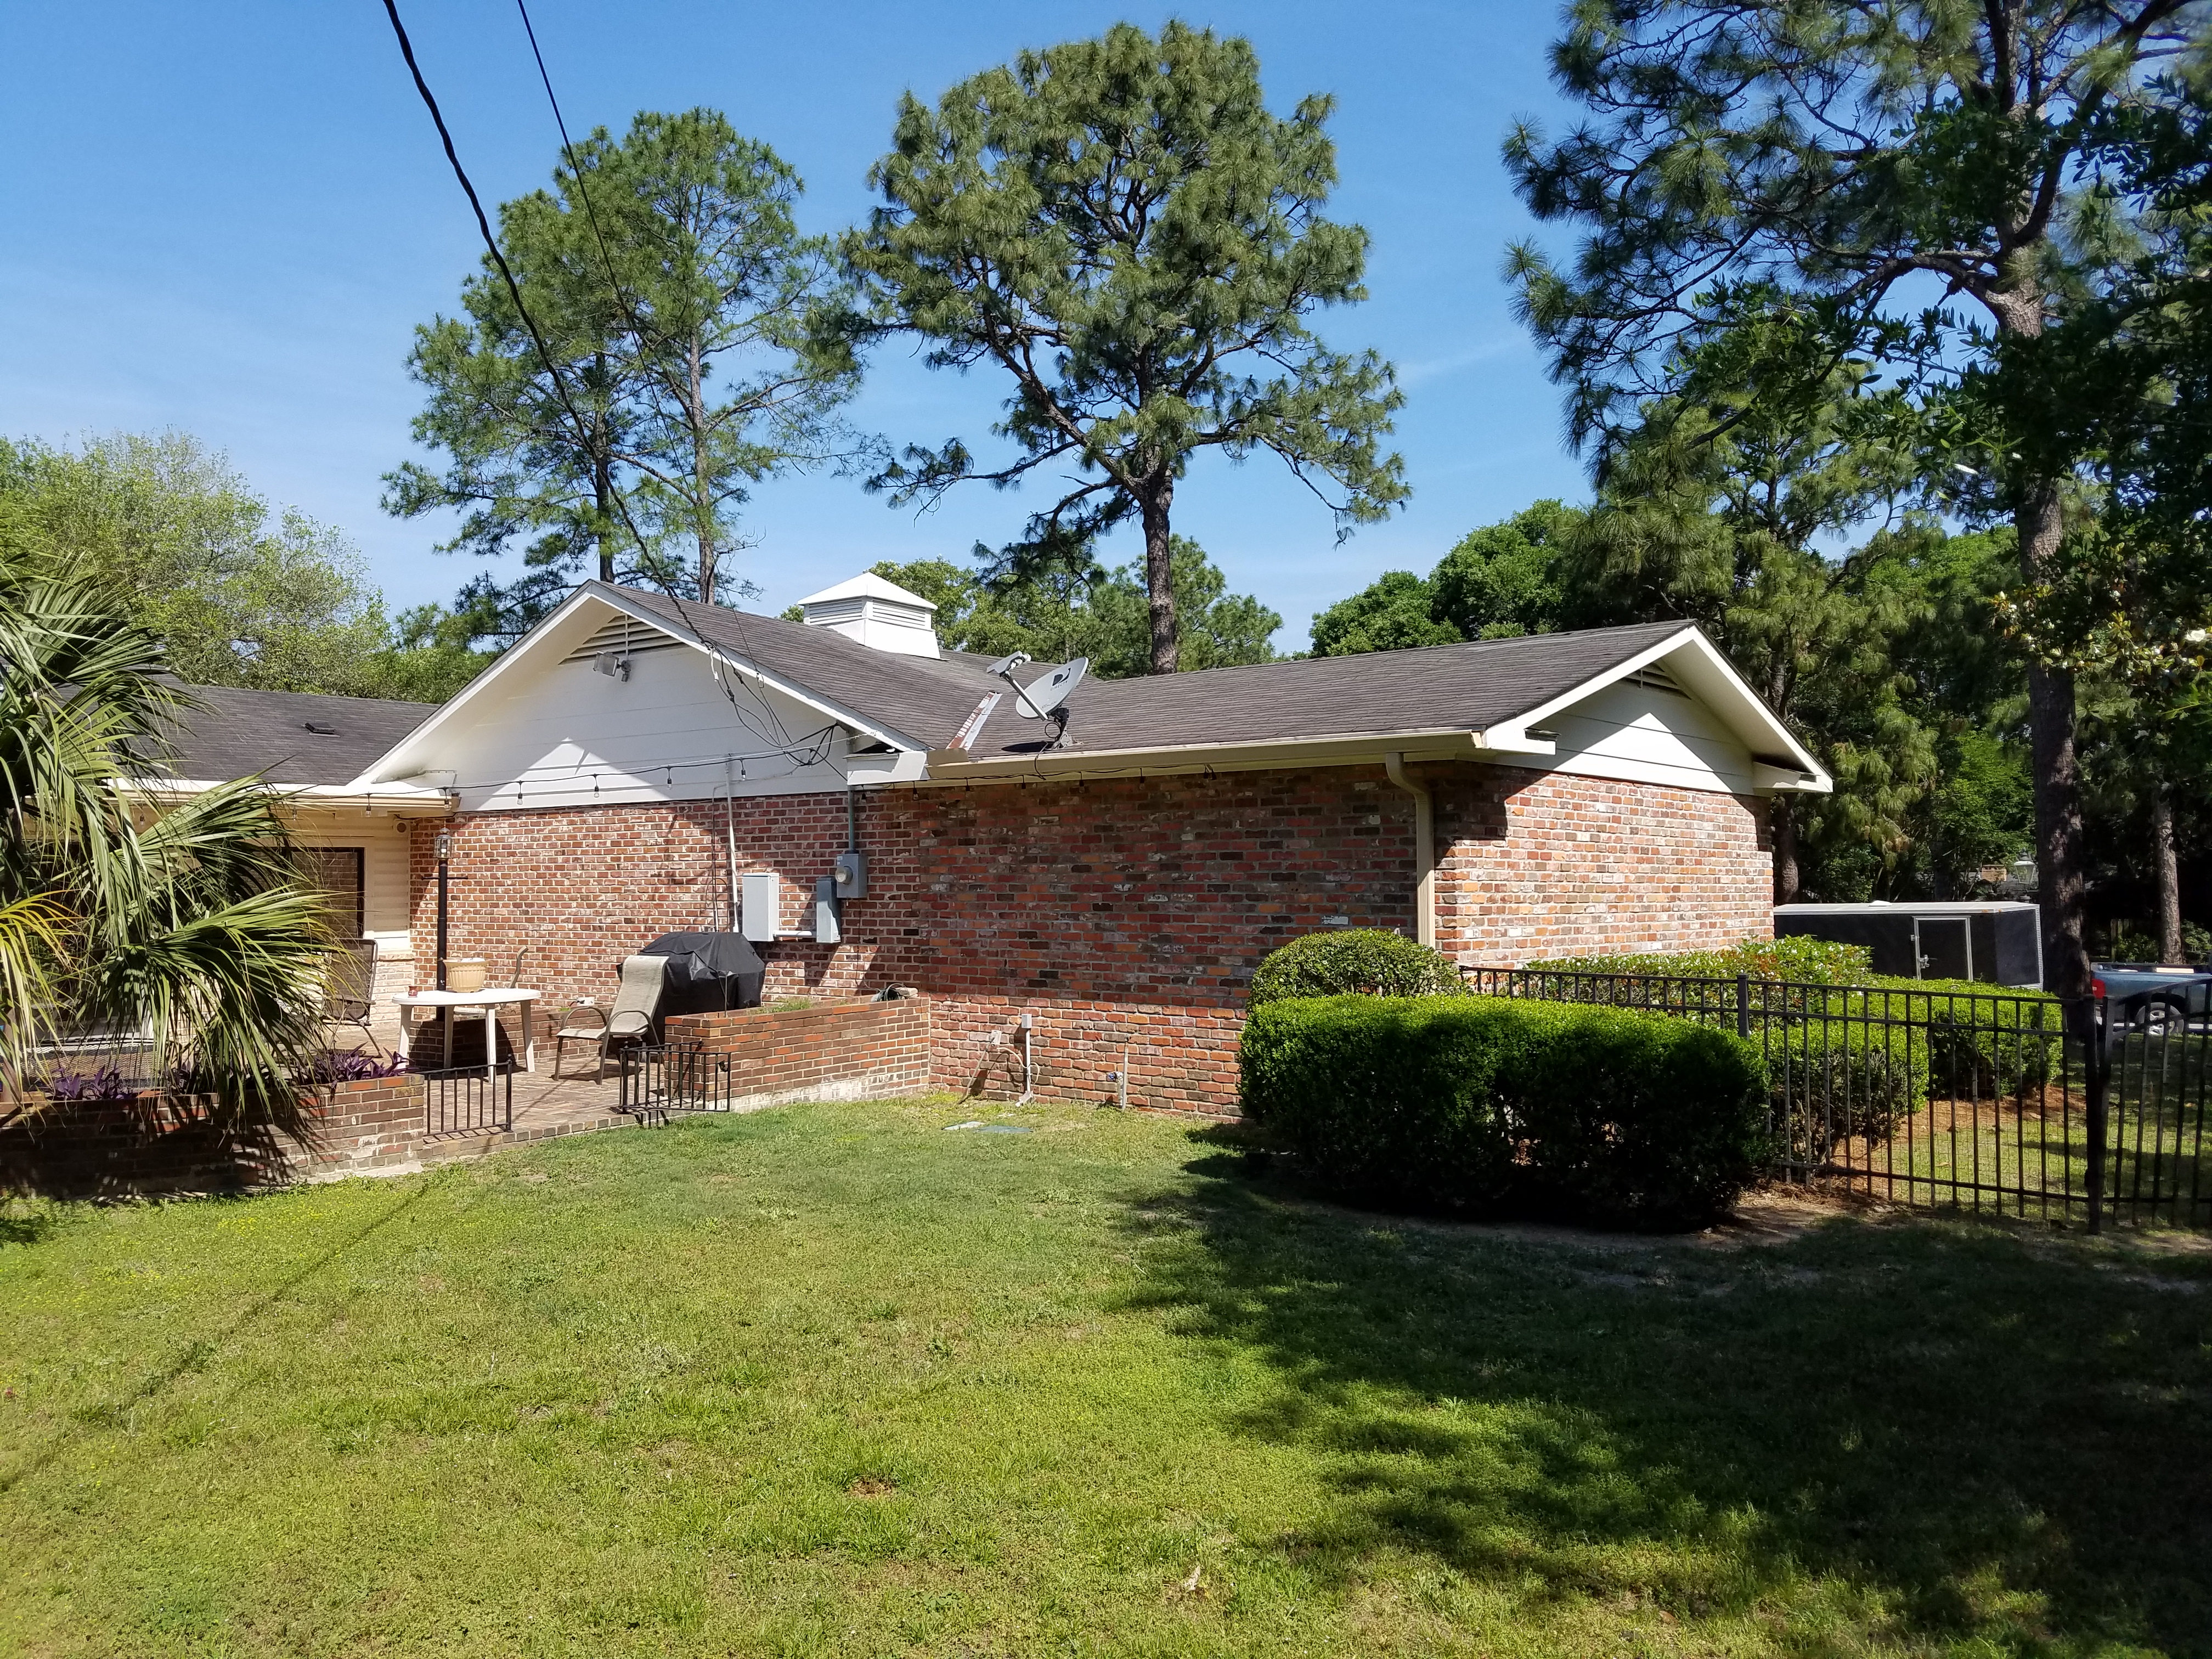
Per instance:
x=1916, y=1433
x=195, y=1355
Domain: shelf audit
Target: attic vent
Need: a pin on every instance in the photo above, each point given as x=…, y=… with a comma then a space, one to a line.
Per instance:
x=624, y=635
x=320, y=729
x=1657, y=679
x=877, y=613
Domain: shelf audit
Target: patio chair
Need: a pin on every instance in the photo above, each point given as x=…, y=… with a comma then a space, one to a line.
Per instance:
x=513, y=979
x=349, y=987
x=630, y=1019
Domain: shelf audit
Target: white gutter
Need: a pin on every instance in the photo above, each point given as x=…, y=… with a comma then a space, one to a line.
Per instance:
x=948, y=766
x=391, y=797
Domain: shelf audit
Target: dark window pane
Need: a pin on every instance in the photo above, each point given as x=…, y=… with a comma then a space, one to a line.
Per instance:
x=337, y=871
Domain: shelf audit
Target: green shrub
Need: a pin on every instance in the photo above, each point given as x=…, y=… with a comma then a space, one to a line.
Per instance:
x=1493, y=1105
x=1832, y=1081
x=1798, y=960
x=1984, y=1049
x=1370, y=960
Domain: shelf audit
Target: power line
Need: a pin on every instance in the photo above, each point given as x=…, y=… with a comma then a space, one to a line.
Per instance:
x=637, y=323
x=499, y=258
x=537, y=340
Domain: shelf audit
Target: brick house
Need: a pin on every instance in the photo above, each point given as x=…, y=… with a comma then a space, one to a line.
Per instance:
x=627, y=766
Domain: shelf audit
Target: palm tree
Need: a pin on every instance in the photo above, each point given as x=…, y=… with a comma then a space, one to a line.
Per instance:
x=191, y=925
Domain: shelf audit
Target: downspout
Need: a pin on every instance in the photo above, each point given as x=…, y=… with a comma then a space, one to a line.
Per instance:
x=1425, y=849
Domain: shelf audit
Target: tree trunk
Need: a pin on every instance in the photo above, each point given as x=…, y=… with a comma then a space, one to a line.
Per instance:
x=2018, y=306
x=603, y=481
x=602, y=496
x=1159, y=567
x=2058, y=880
x=2169, y=874
x=1782, y=821
x=695, y=414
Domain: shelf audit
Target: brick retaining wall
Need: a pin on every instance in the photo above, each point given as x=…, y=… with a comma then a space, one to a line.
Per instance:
x=162, y=1144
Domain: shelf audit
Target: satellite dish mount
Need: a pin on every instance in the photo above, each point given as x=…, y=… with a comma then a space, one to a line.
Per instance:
x=1046, y=696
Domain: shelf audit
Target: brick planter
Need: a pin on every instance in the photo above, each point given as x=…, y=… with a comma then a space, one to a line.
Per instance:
x=836, y=1048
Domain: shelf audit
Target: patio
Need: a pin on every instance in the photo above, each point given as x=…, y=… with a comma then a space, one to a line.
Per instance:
x=821, y=1049
x=544, y=1106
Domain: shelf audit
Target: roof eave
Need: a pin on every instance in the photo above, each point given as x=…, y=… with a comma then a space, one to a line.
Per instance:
x=398, y=797
x=948, y=766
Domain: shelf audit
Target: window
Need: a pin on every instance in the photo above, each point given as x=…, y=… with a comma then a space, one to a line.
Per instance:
x=337, y=871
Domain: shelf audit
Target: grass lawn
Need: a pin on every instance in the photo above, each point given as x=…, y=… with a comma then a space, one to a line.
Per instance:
x=832, y=1380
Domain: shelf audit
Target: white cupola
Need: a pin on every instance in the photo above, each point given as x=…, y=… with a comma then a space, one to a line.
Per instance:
x=877, y=613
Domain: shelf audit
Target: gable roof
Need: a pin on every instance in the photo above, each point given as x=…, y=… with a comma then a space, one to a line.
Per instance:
x=919, y=698
x=284, y=737
x=1466, y=700
x=1468, y=687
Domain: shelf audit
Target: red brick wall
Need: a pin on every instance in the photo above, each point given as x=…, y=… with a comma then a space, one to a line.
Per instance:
x=1127, y=914
x=846, y=1048
x=365, y=1124
x=166, y=1144
x=1543, y=864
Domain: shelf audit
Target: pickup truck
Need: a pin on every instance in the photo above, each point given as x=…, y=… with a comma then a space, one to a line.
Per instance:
x=2150, y=997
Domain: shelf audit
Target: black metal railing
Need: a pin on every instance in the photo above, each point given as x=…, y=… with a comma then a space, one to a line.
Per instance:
x=463, y=1100
x=664, y=1078
x=2013, y=1101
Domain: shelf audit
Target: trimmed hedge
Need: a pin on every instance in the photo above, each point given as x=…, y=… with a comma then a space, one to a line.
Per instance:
x=1979, y=1049
x=1371, y=960
x=1798, y=959
x=1498, y=1105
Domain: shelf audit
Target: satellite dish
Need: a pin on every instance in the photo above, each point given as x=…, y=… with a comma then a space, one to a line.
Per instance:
x=1044, y=695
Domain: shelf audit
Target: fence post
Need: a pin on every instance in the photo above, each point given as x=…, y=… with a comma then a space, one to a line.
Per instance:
x=1743, y=1005
x=2095, y=1066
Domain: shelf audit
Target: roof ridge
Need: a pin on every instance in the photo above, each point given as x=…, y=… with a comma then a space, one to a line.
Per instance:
x=1409, y=650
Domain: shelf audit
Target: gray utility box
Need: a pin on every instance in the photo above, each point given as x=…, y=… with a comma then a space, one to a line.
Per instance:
x=760, y=906
x=2000, y=944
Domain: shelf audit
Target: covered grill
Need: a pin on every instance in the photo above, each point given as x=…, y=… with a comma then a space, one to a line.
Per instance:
x=708, y=972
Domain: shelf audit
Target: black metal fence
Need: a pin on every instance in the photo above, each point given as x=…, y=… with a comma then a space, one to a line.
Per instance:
x=662, y=1079
x=2011, y=1101
x=464, y=1099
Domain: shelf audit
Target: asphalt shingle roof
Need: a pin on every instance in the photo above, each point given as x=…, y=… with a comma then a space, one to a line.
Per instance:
x=1466, y=687
x=922, y=699
x=235, y=733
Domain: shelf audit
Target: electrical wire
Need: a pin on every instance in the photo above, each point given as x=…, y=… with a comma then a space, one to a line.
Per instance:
x=779, y=734
x=498, y=257
x=637, y=322
x=811, y=750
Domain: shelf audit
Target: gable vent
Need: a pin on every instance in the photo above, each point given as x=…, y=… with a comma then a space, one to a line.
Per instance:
x=1656, y=678
x=624, y=635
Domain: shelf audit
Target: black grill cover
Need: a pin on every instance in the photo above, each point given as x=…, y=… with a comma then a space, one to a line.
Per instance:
x=708, y=972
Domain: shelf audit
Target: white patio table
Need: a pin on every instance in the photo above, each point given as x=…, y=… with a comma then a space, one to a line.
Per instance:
x=489, y=1002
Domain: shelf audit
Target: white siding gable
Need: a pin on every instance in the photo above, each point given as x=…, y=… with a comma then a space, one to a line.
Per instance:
x=1636, y=730
x=568, y=735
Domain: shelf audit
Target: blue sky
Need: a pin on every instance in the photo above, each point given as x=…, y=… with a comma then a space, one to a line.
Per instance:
x=228, y=218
